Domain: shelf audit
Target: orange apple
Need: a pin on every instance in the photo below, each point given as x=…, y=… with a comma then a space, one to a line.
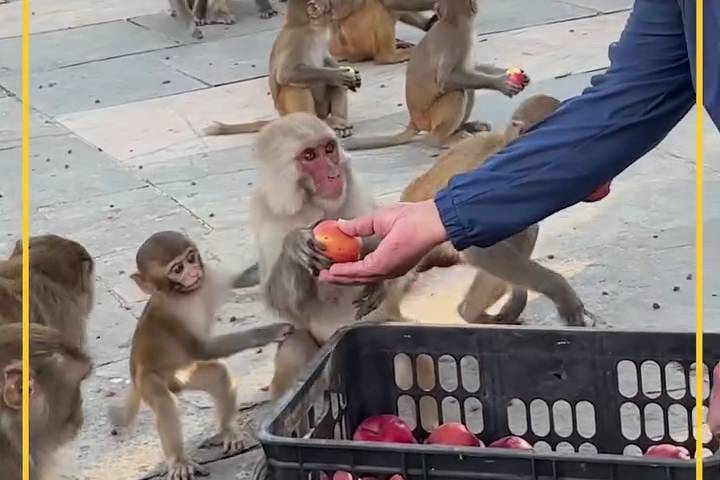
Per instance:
x=339, y=247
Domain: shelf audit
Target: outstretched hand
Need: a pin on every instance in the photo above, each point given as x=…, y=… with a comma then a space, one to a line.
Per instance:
x=407, y=231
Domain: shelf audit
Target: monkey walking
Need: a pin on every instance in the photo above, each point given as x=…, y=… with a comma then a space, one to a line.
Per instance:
x=441, y=81
x=506, y=265
x=194, y=13
x=365, y=29
x=173, y=349
x=304, y=77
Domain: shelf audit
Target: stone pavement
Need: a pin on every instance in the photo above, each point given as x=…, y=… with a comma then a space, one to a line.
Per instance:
x=119, y=94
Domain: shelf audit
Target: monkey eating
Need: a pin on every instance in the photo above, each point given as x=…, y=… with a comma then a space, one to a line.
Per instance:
x=194, y=13
x=173, y=348
x=303, y=75
x=506, y=265
x=441, y=81
x=57, y=370
x=365, y=29
x=62, y=285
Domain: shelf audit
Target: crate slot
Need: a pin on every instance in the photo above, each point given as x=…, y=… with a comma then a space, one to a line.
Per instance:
x=451, y=410
x=654, y=422
x=585, y=419
x=448, y=373
x=425, y=372
x=651, y=383
x=517, y=417
x=402, y=367
x=474, y=418
x=627, y=379
x=678, y=422
x=470, y=374
x=562, y=419
x=675, y=380
x=540, y=418
x=630, y=421
x=428, y=413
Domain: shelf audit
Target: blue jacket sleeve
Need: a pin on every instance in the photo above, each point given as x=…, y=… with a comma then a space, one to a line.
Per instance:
x=589, y=140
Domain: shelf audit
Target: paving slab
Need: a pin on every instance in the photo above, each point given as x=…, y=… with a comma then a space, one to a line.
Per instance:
x=223, y=61
x=48, y=15
x=61, y=48
x=503, y=16
x=604, y=5
x=11, y=124
x=248, y=22
x=98, y=84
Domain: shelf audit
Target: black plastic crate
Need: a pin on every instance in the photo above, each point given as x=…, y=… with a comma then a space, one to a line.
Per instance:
x=578, y=391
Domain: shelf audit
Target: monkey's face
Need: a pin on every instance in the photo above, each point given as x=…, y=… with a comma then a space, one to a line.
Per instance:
x=320, y=169
x=185, y=272
x=318, y=10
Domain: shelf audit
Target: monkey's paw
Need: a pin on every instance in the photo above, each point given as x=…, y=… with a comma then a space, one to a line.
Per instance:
x=477, y=127
x=185, y=469
x=351, y=78
x=269, y=13
x=343, y=131
x=197, y=34
x=230, y=441
x=402, y=44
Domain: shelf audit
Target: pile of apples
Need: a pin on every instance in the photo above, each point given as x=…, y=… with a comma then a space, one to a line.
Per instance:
x=392, y=429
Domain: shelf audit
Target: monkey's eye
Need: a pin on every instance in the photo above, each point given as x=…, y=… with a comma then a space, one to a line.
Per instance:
x=309, y=155
x=330, y=147
x=191, y=257
x=178, y=269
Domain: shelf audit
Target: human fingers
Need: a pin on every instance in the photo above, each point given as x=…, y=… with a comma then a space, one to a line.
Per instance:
x=358, y=227
x=327, y=277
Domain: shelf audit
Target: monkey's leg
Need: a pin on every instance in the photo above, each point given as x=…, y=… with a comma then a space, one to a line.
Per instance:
x=213, y=377
x=446, y=116
x=167, y=420
x=219, y=13
x=484, y=292
x=122, y=415
x=472, y=126
x=414, y=19
x=185, y=17
x=295, y=99
x=338, y=118
x=505, y=262
x=386, y=51
x=265, y=9
x=291, y=358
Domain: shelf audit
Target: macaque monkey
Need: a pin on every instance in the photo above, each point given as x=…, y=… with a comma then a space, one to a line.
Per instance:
x=173, y=349
x=506, y=265
x=713, y=417
x=57, y=369
x=194, y=13
x=304, y=77
x=365, y=29
x=304, y=176
x=62, y=285
x=441, y=81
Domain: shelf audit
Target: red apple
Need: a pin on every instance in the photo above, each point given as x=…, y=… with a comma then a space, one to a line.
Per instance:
x=599, y=193
x=384, y=428
x=516, y=76
x=397, y=476
x=667, y=450
x=340, y=475
x=714, y=408
x=339, y=247
x=453, y=433
x=511, y=441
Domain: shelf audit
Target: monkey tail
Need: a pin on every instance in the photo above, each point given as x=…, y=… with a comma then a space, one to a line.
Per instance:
x=219, y=128
x=123, y=415
x=249, y=278
x=368, y=143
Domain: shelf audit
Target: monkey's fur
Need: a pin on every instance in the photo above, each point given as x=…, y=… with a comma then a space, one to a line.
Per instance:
x=304, y=77
x=193, y=13
x=506, y=265
x=441, y=81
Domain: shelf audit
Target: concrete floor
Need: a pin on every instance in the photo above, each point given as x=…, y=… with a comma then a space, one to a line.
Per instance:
x=119, y=93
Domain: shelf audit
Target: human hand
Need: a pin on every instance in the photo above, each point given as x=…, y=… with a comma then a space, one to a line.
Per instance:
x=407, y=231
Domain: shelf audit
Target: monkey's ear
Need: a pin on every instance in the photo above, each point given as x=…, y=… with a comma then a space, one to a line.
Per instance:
x=519, y=125
x=145, y=286
x=12, y=385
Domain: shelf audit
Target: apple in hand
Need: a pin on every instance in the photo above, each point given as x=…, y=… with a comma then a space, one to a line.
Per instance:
x=453, y=433
x=516, y=76
x=599, y=193
x=339, y=247
x=667, y=450
x=512, y=442
x=384, y=428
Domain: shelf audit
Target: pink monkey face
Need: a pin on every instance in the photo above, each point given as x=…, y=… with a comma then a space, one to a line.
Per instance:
x=320, y=165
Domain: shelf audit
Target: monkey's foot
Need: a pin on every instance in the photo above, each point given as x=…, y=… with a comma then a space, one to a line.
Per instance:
x=403, y=44
x=223, y=18
x=173, y=13
x=476, y=127
x=342, y=129
x=269, y=13
x=230, y=441
x=184, y=469
x=196, y=33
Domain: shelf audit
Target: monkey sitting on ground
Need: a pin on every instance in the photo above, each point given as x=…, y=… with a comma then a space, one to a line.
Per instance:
x=303, y=76
x=173, y=349
x=506, y=265
x=365, y=29
x=441, y=81
x=62, y=285
x=57, y=369
x=304, y=176
x=193, y=13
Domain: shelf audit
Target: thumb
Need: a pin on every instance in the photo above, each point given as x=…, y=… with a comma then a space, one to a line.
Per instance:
x=358, y=227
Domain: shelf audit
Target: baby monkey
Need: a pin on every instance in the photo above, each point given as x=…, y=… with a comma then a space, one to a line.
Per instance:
x=173, y=349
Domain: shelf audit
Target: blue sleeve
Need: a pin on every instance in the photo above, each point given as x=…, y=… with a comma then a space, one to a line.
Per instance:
x=589, y=140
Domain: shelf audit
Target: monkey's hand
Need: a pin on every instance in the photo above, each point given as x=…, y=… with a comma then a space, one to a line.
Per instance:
x=369, y=300
x=230, y=440
x=349, y=78
x=506, y=87
x=183, y=469
x=304, y=250
x=402, y=44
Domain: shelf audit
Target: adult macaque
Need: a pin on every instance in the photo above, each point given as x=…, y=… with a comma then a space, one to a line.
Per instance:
x=304, y=177
x=62, y=285
x=441, y=81
x=57, y=369
x=173, y=349
x=506, y=265
x=365, y=29
x=304, y=77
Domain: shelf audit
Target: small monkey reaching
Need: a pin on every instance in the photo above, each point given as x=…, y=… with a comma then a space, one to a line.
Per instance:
x=304, y=77
x=173, y=348
x=441, y=81
x=506, y=265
